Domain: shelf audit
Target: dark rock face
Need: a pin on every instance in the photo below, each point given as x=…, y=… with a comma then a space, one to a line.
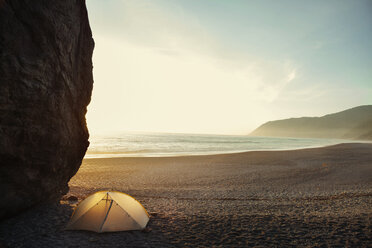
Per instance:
x=45, y=86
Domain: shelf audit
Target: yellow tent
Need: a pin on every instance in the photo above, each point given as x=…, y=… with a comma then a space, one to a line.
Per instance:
x=109, y=211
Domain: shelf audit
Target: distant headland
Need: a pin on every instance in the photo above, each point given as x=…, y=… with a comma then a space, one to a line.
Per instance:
x=354, y=123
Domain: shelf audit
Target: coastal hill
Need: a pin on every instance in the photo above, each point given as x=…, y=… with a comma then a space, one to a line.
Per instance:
x=354, y=123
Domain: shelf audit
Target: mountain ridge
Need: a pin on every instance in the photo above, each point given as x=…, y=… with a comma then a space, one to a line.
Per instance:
x=354, y=123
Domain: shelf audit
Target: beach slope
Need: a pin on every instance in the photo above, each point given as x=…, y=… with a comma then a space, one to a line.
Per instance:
x=307, y=197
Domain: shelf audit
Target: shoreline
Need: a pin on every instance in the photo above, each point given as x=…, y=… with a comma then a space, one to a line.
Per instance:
x=120, y=155
x=231, y=153
x=307, y=197
x=161, y=145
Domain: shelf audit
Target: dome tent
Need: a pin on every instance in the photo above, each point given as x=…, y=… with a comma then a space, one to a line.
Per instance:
x=109, y=211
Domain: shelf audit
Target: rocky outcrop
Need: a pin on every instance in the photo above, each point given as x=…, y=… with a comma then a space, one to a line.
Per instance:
x=354, y=123
x=45, y=86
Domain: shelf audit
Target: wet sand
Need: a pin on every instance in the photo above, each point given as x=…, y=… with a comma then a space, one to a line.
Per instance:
x=309, y=198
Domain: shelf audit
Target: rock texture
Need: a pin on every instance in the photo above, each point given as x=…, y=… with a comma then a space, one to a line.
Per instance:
x=354, y=123
x=45, y=86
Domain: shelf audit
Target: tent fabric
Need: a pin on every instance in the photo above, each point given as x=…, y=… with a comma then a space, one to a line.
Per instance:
x=109, y=211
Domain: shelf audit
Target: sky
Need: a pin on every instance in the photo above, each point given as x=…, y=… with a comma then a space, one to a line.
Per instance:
x=225, y=67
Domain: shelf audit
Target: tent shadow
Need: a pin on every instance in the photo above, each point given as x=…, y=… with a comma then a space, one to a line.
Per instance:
x=44, y=226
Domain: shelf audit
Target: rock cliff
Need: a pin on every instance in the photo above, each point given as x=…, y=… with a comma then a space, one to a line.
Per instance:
x=45, y=86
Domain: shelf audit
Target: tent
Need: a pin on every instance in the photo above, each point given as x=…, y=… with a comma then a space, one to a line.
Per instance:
x=109, y=211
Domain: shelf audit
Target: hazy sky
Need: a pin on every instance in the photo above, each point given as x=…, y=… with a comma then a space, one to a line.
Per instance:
x=218, y=66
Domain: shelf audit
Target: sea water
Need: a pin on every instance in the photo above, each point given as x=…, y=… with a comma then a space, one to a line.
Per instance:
x=165, y=144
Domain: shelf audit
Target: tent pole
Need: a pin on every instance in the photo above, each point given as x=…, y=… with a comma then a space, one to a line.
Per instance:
x=104, y=220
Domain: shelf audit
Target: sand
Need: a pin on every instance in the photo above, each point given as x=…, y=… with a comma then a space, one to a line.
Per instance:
x=316, y=197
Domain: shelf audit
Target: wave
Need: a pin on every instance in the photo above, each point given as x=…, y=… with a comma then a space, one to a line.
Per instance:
x=146, y=145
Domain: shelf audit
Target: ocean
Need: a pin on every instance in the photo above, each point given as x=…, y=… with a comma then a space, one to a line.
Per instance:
x=166, y=144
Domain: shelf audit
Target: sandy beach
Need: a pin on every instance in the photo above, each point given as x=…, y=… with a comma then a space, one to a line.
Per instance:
x=315, y=197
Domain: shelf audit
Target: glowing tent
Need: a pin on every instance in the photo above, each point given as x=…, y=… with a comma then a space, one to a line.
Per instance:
x=109, y=211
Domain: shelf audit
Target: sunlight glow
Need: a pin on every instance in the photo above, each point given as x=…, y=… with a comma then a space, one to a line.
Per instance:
x=181, y=91
x=185, y=66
